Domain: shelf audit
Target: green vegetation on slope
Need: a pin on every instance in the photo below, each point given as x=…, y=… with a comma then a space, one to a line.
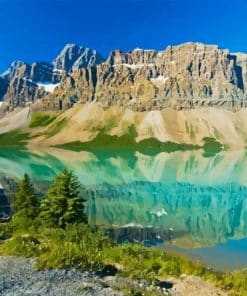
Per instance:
x=14, y=138
x=71, y=244
x=211, y=146
x=127, y=141
x=56, y=127
x=40, y=119
x=153, y=146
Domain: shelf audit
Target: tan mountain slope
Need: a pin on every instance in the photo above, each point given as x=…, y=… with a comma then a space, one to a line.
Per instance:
x=14, y=120
x=84, y=122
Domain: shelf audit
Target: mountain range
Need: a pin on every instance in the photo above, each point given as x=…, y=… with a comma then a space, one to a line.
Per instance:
x=182, y=94
x=184, y=76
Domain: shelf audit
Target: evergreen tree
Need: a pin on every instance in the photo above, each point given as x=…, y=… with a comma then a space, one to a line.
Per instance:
x=62, y=204
x=26, y=202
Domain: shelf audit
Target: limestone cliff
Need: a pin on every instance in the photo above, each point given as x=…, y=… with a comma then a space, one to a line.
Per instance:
x=74, y=57
x=23, y=84
x=181, y=77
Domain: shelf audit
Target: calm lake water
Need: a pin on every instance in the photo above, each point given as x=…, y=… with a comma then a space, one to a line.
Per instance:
x=182, y=201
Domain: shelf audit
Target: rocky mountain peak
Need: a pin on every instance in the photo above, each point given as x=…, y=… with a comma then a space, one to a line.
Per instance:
x=11, y=71
x=73, y=57
x=24, y=83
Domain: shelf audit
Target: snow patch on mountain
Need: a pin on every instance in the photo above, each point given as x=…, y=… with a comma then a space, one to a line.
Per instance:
x=135, y=66
x=49, y=87
x=159, y=80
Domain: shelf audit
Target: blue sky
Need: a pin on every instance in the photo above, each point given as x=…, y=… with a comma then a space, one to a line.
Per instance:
x=35, y=30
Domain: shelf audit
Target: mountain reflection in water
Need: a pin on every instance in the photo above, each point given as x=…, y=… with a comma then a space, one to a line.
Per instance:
x=185, y=199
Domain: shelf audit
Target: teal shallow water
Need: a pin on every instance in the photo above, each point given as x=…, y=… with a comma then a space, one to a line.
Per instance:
x=197, y=205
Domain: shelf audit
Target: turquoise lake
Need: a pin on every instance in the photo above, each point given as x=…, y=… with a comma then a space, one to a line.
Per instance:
x=183, y=201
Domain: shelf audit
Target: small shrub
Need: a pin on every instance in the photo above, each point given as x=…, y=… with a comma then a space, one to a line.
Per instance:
x=6, y=230
x=25, y=245
x=76, y=246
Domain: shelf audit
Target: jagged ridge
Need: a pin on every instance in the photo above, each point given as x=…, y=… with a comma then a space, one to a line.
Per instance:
x=181, y=77
x=24, y=83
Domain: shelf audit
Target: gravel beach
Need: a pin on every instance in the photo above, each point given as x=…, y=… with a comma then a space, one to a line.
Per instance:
x=18, y=277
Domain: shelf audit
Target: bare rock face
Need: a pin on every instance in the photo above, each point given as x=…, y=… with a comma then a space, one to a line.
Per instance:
x=74, y=57
x=3, y=86
x=23, y=84
x=11, y=71
x=80, y=86
x=181, y=77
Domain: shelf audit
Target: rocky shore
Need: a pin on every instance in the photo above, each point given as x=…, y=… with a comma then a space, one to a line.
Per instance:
x=18, y=277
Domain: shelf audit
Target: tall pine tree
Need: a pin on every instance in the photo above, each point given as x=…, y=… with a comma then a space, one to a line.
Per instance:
x=26, y=205
x=26, y=202
x=62, y=204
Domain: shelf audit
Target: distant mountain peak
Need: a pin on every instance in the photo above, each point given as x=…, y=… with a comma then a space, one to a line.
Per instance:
x=73, y=57
x=11, y=71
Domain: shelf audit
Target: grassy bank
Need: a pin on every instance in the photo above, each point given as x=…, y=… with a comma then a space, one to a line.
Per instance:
x=80, y=247
x=54, y=230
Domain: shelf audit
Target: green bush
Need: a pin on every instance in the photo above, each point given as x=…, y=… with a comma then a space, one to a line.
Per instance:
x=6, y=231
x=22, y=224
x=76, y=246
x=25, y=246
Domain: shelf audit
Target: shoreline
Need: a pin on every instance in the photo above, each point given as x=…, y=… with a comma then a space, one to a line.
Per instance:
x=23, y=278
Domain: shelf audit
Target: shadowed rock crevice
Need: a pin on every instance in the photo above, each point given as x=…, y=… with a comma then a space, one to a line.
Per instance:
x=238, y=73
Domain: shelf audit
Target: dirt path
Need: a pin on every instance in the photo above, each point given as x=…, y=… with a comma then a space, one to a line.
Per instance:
x=194, y=286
